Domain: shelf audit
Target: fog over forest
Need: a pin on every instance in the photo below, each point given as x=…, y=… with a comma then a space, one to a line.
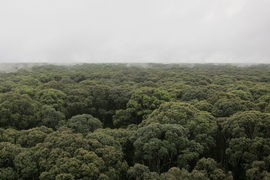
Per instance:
x=134, y=90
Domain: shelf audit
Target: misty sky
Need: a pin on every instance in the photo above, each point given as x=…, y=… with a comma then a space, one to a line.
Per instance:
x=161, y=31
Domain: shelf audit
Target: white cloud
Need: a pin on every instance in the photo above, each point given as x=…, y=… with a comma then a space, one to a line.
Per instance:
x=235, y=7
x=210, y=17
x=135, y=31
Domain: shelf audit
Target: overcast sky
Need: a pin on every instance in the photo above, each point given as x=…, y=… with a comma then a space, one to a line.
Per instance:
x=161, y=31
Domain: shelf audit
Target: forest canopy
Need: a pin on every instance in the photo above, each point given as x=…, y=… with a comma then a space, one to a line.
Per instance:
x=135, y=121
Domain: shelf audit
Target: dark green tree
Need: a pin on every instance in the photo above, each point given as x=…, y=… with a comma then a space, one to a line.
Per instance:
x=140, y=105
x=18, y=111
x=161, y=146
x=201, y=125
x=84, y=123
x=247, y=136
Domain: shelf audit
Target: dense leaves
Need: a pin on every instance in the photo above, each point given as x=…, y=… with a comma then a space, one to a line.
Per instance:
x=162, y=146
x=84, y=123
x=137, y=121
x=18, y=111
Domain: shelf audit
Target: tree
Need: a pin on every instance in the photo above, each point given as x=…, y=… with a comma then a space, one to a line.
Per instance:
x=247, y=136
x=244, y=95
x=18, y=111
x=84, y=123
x=25, y=165
x=117, y=99
x=100, y=95
x=117, y=138
x=198, y=93
x=161, y=146
x=64, y=176
x=52, y=97
x=203, y=105
x=8, y=173
x=50, y=117
x=30, y=91
x=209, y=168
x=141, y=172
x=172, y=113
x=31, y=137
x=90, y=158
x=226, y=104
x=79, y=101
x=201, y=125
x=140, y=105
x=257, y=171
x=223, y=80
x=227, y=107
x=263, y=102
x=259, y=90
x=9, y=135
x=8, y=153
x=182, y=174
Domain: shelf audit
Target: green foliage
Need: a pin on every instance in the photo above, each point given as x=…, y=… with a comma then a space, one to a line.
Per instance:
x=30, y=91
x=247, y=135
x=118, y=98
x=79, y=101
x=164, y=145
x=8, y=173
x=31, y=137
x=140, y=105
x=226, y=104
x=104, y=139
x=25, y=165
x=203, y=106
x=84, y=123
x=209, y=167
x=64, y=153
x=141, y=172
x=173, y=113
x=174, y=122
x=52, y=97
x=8, y=153
x=227, y=107
x=177, y=174
x=18, y=111
x=9, y=135
x=50, y=117
x=257, y=171
x=201, y=125
x=223, y=80
x=244, y=95
x=199, y=93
